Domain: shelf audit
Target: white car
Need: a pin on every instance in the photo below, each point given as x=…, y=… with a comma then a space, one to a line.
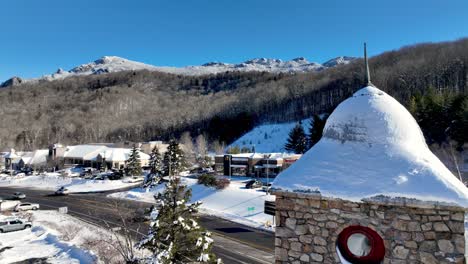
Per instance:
x=26, y=206
x=133, y=179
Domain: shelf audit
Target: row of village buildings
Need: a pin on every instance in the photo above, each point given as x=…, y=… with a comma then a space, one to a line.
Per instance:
x=116, y=155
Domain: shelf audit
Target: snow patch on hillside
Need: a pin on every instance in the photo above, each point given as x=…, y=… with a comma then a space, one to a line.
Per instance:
x=268, y=138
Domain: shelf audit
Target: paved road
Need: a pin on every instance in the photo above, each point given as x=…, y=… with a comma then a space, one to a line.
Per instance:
x=234, y=243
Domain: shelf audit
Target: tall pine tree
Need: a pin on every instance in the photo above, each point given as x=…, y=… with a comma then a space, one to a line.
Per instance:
x=133, y=162
x=155, y=162
x=174, y=235
x=103, y=165
x=297, y=141
x=156, y=168
x=174, y=161
x=317, y=124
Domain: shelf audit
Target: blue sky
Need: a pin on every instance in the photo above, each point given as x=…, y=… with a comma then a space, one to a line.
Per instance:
x=37, y=37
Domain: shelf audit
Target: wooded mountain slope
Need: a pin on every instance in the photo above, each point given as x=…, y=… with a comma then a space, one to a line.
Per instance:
x=144, y=105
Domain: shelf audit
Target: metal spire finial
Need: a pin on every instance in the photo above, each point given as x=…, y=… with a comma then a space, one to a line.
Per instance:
x=368, y=80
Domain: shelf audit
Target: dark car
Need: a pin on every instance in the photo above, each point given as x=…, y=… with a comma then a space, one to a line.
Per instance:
x=252, y=184
x=28, y=171
x=115, y=175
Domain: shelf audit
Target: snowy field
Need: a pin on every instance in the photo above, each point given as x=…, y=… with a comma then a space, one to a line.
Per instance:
x=54, y=181
x=235, y=203
x=268, y=138
x=57, y=238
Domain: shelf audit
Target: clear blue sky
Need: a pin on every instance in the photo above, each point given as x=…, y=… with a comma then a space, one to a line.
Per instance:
x=37, y=37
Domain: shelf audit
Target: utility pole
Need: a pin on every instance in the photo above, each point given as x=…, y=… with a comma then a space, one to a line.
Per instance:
x=170, y=168
x=230, y=172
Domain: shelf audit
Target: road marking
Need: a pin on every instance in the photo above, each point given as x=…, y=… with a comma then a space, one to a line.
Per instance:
x=232, y=258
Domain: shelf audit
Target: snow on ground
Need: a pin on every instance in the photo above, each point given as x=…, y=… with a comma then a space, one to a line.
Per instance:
x=268, y=138
x=54, y=237
x=372, y=148
x=235, y=203
x=54, y=181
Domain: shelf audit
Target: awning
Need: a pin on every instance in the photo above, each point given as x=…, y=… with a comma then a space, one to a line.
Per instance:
x=269, y=166
x=238, y=166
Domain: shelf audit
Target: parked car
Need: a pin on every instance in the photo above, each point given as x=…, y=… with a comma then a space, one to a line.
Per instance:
x=19, y=196
x=133, y=179
x=266, y=187
x=26, y=206
x=201, y=170
x=62, y=191
x=28, y=171
x=99, y=177
x=115, y=175
x=252, y=184
x=13, y=225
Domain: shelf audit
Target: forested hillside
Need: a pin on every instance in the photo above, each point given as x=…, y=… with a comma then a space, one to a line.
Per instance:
x=144, y=105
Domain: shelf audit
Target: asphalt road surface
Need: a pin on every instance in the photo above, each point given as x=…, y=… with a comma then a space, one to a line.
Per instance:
x=234, y=243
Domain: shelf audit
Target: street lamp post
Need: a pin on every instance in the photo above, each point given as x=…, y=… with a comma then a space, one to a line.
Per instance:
x=267, y=169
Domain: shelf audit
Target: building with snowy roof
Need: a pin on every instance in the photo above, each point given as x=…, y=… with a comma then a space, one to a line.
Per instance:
x=370, y=191
x=254, y=164
x=94, y=155
x=117, y=157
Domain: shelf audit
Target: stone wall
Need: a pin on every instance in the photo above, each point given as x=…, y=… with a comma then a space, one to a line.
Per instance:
x=308, y=226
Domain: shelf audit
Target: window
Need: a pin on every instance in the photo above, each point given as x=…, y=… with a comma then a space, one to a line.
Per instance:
x=360, y=244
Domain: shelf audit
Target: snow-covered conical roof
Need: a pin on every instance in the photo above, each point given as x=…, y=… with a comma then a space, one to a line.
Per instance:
x=373, y=147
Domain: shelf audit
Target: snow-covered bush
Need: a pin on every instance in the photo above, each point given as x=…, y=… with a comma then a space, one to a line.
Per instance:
x=207, y=179
x=210, y=180
x=222, y=183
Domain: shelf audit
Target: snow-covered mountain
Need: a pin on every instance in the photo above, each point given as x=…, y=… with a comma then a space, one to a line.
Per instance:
x=109, y=64
x=338, y=61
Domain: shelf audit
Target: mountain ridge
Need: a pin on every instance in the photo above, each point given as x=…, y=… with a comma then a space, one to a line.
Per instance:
x=107, y=64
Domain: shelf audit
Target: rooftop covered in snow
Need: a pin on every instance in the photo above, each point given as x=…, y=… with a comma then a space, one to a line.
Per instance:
x=371, y=148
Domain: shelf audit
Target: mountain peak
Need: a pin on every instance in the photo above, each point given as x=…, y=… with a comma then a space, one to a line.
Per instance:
x=341, y=60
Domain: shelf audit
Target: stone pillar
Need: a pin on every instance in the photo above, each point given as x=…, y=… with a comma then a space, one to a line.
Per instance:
x=308, y=226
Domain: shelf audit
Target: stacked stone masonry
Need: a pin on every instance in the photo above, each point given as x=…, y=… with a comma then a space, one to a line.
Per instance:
x=308, y=226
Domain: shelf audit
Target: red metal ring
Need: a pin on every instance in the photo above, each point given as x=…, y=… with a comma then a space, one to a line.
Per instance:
x=377, y=250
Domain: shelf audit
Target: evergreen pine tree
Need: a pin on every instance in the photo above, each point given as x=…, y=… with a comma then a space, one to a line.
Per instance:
x=133, y=163
x=155, y=162
x=103, y=165
x=297, y=141
x=174, y=235
x=174, y=161
x=317, y=125
x=156, y=168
